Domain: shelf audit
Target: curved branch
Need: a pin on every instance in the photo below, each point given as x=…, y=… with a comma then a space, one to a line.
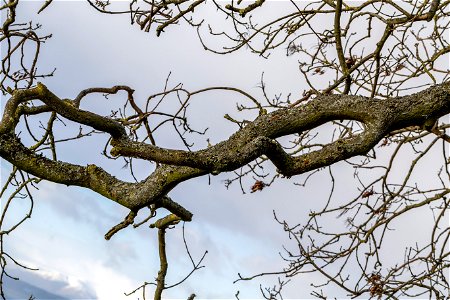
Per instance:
x=131, y=195
x=255, y=139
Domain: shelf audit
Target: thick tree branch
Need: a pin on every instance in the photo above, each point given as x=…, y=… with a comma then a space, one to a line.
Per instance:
x=68, y=109
x=255, y=139
x=379, y=116
x=365, y=62
x=131, y=195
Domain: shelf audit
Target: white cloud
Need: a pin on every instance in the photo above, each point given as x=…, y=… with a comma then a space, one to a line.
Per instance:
x=77, y=277
x=108, y=283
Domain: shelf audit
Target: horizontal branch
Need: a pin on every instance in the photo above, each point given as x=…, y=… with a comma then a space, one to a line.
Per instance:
x=258, y=137
x=131, y=195
x=255, y=139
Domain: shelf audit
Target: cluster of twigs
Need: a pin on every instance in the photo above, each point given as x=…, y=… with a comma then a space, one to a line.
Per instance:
x=403, y=50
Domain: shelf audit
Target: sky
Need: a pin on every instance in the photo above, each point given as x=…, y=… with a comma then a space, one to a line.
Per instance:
x=64, y=237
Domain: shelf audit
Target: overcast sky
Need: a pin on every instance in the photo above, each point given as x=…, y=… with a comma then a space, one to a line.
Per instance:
x=64, y=237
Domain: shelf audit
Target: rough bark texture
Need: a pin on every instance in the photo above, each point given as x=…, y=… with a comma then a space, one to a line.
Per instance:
x=378, y=48
x=254, y=140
